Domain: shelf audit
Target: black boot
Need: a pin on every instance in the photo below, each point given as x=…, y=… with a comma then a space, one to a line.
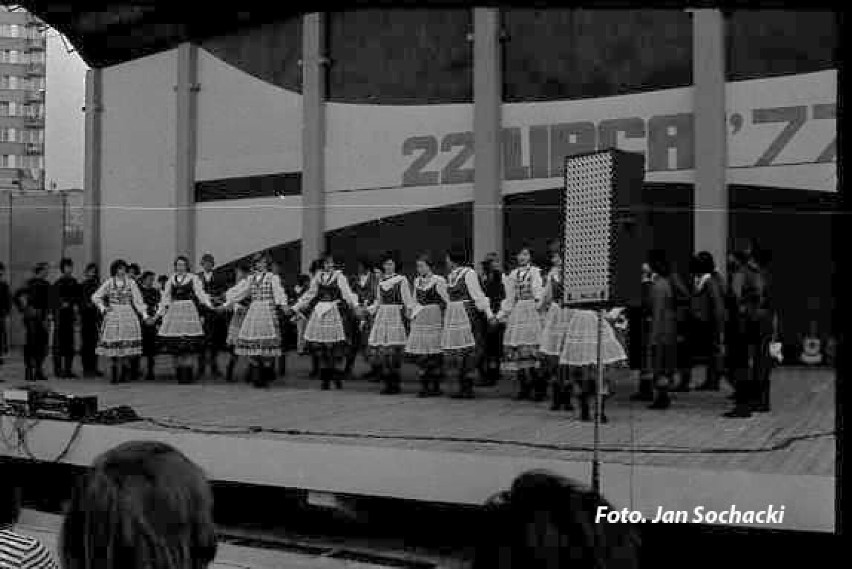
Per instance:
x=115, y=377
x=523, y=387
x=202, y=365
x=585, y=411
x=645, y=392
x=182, y=378
x=69, y=363
x=425, y=382
x=539, y=382
x=742, y=407
x=190, y=375
x=385, y=378
x=229, y=371
x=761, y=403
x=214, y=366
x=325, y=379
x=149, y=376
x=556, y=397
x=315, y=371
x=465, y=388
x=282, y=366
x=662, y=400
x=57, y=367
x=338, y=378
x=29, y=374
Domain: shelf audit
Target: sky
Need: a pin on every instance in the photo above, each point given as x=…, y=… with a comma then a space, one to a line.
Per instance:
x=64, y=119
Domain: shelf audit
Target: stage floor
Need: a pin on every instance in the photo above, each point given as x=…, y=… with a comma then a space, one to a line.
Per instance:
x=795, y=440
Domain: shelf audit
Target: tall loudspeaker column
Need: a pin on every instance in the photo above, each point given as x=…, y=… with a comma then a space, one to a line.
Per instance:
x=602, y=249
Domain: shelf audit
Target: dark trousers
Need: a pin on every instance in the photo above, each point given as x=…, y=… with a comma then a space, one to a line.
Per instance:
x=90, y=324
x=35, y=347
x=64, y=345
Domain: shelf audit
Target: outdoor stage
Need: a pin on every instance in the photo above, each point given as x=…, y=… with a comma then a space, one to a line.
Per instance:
x=356, y=442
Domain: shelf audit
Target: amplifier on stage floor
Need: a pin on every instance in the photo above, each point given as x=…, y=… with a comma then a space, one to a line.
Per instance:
x=65, y=407
x=19, y=401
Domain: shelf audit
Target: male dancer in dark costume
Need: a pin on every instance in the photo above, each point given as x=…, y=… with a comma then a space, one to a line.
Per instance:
x=90, y=322
x=215, y=321
x=151, y=296
x=66, y=298
x=364, y=286
x=34, y=303
x=492, y=286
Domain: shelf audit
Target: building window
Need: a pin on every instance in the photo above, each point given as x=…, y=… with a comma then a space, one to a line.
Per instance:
x=7, y=161
x=5, y=109
x=37, y=57
x=8, y=135
x=5, y=82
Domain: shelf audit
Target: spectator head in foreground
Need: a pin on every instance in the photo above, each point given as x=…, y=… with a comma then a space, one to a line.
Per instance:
x=546, y=521
x=142, y=505
x=18, y=551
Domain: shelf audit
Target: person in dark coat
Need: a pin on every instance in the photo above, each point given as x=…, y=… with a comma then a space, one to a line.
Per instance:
x=363, y=283
x=151, y=296
x=756, y=326
x=33, y=301
x=90, y=322
x=66, y=298
x=663, y=333
x=365, y=286
x=5, y=309
x=683, y=304
x=491, y=276
x=640, y=339
x=709, y=319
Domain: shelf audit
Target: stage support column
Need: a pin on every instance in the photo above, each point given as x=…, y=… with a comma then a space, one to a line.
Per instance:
x=313, y=137
x=92, y=166
x=186, y=150
x=487, y=100
x=711, y=142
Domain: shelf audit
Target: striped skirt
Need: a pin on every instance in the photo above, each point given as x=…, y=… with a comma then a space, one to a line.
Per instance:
x=388, y=334
x=554, y=330
x=325, y=329
x=121, y=333
x=181, y=331
x=580, y=347
x=457, y=336
x=523, y=334
x=426, y=331
x=236, y=325
x=259, y=335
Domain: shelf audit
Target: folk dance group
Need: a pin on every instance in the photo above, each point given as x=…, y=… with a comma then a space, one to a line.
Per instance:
x=440, y=323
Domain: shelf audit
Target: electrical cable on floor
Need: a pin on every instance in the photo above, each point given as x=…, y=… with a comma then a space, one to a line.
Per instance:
x=658, y=449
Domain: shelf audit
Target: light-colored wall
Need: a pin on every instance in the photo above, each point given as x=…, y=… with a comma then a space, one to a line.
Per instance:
x=246, y=127
x=137, y=216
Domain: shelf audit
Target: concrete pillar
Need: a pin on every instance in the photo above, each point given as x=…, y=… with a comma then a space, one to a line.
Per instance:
x=711, y=142
x=92, y=167
x=487, y=100
x=186, y=135
x=313, y=138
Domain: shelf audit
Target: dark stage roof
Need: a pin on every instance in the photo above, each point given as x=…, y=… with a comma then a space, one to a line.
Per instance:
x=110, y=32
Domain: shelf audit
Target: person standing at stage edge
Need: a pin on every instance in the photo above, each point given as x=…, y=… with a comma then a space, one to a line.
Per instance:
x=663, y=332
x=90, y=322
x=66, y=297
x=364, y=285
x=756, y=319
x=492, y=286
x=215, y=284
x=708, y=318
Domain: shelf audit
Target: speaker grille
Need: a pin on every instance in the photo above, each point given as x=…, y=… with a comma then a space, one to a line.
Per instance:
x=588, y=228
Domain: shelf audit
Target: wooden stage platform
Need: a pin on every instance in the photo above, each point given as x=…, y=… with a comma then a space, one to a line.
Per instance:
x=356, y=442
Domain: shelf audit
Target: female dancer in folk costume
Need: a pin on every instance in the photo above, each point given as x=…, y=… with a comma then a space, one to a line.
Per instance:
x=553, y=335
x=580, y=354
x=182, y=333
x=524, y=291
x=259, y=338
x=388, y=336
x=329, y=301
x=466, y=321
x=240, y=308
x=427, y=326
x=121, y=303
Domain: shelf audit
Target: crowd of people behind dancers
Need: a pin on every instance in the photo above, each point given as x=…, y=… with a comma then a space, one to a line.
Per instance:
x=487, y=323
